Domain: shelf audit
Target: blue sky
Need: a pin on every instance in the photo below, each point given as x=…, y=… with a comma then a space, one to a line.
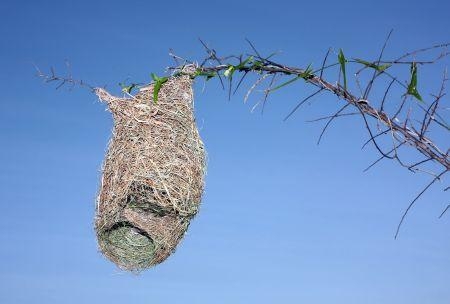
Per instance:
x=282, y=220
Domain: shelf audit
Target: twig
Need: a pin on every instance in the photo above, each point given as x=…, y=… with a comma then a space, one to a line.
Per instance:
x=414, y=200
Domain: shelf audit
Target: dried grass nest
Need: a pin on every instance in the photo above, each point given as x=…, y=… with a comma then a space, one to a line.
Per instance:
x=153, y=175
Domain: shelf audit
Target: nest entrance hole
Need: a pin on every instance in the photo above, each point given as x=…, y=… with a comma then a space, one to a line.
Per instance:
x=130, y=245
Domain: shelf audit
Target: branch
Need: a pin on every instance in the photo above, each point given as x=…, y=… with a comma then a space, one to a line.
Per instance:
x=405, y=120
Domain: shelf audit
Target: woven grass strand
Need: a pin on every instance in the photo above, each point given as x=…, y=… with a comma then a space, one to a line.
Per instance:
x=153, y=175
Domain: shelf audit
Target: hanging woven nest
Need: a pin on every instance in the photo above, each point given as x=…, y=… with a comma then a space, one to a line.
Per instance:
x=153, y=175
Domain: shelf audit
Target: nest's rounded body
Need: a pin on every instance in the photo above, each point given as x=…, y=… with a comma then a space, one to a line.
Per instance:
x=153, y=175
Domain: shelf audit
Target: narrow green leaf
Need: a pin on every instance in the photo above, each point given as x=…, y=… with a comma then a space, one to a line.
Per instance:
x=156, y=89
x=208, y=75
x=127, y=89
x=342, y=62
x=383, y=67
x=243, y=63
x=159, y=81
x=417, y=95
x=379, y=68
x=412, y=87
x=366, y=63
x=285, y=83
x=229, y=72
x=154, y=77
x=271, y=55
x=307, y=73
x=256, y=66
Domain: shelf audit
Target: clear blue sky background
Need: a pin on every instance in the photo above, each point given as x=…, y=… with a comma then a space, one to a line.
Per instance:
x=283, y=220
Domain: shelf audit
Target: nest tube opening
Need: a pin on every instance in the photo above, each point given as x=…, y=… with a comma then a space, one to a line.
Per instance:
x=129, y=245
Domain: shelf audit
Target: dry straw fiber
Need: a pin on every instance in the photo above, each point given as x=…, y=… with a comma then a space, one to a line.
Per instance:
x=153, y=175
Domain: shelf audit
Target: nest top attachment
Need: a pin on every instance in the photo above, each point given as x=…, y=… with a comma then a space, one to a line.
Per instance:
x=153, y=175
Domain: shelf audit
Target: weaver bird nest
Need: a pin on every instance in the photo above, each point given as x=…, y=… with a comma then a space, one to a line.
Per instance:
x=153, y=175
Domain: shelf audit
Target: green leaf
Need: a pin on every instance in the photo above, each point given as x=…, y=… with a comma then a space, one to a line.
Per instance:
x=243, y=63
x=159, y=81
x=342, y=62
x=285, y=83
x=307, y=73
x=412, y=87
x=379, y=68
x=256, y=66
x=383, y=67
x=211, y=75
x=304, y=75
x=271, y=55
x=154, y=77
x=127, y=89
x=208, y=75
x=229, y=72
x=156, y=89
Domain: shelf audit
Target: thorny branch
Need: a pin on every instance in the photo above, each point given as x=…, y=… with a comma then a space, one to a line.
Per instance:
x=63, y=80
x=405, y=120
x=410, y=121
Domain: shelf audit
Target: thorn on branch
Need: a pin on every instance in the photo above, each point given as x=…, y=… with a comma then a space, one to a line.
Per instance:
x=413, y=202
